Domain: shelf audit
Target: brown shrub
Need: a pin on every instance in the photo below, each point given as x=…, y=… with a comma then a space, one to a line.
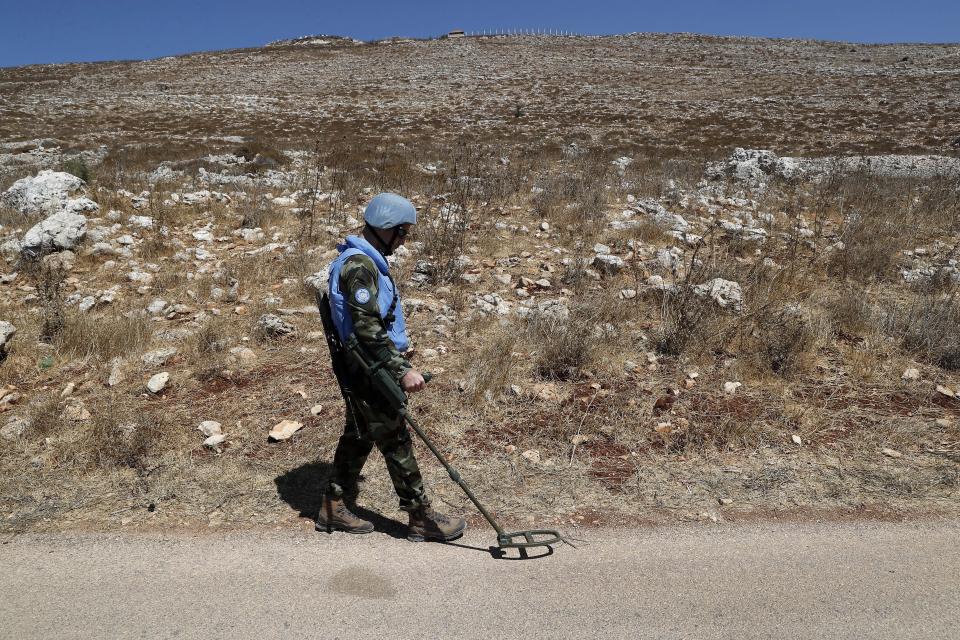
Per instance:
x=492, y=368
x=118, y=437
x=929, y=327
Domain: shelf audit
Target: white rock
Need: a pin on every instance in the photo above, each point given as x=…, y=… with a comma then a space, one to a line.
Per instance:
x=140, y=277
x=284, y=429
x=158, y=382
x=946, y=391
x=81, y=205
x=910, y=374
x=318, y=281
x=141, y=222
x=14, y=428
x=532, y=455
x=157, y=306
x=245, y=357
x=731, y=387
x=608, y=264
x=726, y=293
x=75, y=411
x=544, y=226
x=210, y=427
x=797, y=440
x=58, y=232
x=628, y=294
x=158, y=357
x=47, y=192
x=891, y=453
x=274, y=326
x=7, y=331
x=316, y=410
x=214, y=441
x=117, y=374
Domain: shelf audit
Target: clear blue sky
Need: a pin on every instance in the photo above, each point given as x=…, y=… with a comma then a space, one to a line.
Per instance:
x=41, y=31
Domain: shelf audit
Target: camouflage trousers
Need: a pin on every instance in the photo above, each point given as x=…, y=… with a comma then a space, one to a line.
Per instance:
x=366, y=425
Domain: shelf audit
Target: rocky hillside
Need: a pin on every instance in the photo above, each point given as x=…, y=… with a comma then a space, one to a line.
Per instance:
x=657, y=277
x=663, y=93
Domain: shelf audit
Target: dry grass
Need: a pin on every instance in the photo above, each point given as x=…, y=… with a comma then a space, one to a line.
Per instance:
x=929, y=327
x=810, y=346
x=102, y=337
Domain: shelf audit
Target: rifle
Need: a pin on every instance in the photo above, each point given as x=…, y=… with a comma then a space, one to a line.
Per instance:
x=338, y=355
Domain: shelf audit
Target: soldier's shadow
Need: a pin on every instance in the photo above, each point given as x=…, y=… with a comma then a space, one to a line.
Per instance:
x=302, y=488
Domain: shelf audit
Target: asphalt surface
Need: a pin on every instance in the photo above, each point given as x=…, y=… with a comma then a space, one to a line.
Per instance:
x=770, y=581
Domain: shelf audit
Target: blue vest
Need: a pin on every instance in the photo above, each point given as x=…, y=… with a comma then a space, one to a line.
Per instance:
x=397, y=330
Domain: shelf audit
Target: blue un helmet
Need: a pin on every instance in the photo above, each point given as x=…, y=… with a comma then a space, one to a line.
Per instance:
x=388, y=210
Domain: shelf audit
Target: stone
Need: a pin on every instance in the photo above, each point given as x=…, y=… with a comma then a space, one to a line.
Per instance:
x=46, y=192
x=502, y=278
x=531, y=455
x=156, y=307
x=944, y=423
x=580, y=438
x=8, y=396
x=214, y=441
x=910, y=374
x=544, y=226
x=7, y=331
x=797, y=440
x=140, y=277
x=627, y=294
x=725, y=501
x=316, y=410
x=601, y=249
x=158, y=357
x=75, y=411
x=608, y=264
x=141, y=222
x=245, y=357
x=946, y=391
x=209, y=428
x=725, y=293
x=68, y=390
x=891, y=453
x=274, y=327
x=753, y=167
x=731, y=387
x=14, y=428
x=284, y=430
x=61, y=231
x=117, y=373
x=158, y=382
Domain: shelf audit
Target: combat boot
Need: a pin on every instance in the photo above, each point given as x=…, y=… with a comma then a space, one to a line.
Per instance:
x=427, y=524
x=336, y=515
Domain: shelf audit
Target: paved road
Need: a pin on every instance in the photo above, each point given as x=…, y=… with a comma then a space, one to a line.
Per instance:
x=771, y=581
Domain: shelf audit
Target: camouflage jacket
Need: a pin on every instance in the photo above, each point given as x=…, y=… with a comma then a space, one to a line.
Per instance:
x=359, y=272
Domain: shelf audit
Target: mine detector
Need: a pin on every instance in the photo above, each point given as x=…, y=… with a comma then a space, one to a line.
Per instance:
x=392, y=393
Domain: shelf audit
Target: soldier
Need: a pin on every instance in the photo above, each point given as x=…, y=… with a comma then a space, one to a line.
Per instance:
x=364, y=300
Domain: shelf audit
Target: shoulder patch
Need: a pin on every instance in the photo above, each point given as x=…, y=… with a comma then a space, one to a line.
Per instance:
x=362, y=295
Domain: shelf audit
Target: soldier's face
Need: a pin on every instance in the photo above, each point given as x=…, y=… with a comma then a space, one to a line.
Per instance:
x=401, y=236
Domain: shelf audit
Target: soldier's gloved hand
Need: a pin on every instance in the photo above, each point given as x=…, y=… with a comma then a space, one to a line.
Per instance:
x=412, y=381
